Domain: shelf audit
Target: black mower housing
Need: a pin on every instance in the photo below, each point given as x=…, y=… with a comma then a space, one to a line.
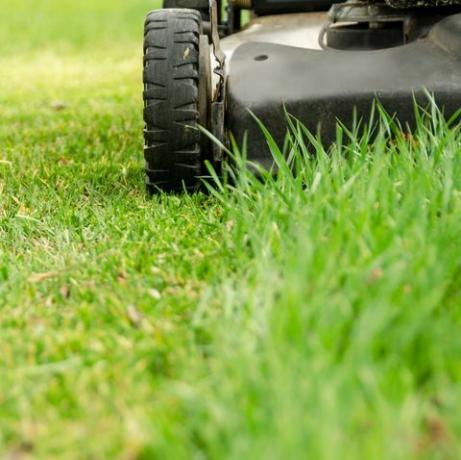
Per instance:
x=320, y=87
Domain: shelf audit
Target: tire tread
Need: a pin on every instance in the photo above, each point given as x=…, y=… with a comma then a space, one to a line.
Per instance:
x=172, y=139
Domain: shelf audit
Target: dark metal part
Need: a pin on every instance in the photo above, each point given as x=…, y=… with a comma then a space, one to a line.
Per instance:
x=219, y=97
x=364, y=26
x=217, y=129
x=365, y=12
x=233, y=17
x=195, y=4
x=218, y=53
x=204, y=82
x=262, y=7
x=321, y=87
x=361, y=37
x=402, y=4
x=200, y=5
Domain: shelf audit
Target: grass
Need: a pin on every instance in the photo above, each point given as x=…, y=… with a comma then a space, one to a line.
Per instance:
x=308, y=316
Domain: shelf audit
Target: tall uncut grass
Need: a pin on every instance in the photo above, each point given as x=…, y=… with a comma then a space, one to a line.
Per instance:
x=338, y=334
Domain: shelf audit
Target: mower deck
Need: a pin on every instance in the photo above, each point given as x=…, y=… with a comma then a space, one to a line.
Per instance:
x=270, y=67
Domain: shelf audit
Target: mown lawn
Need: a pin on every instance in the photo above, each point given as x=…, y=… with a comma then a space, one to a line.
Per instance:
x=312, y=317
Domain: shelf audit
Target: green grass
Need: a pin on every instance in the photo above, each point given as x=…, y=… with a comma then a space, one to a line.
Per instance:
x=315, y=316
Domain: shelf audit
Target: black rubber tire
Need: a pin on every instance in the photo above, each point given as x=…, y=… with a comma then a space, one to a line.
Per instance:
x=172, y=149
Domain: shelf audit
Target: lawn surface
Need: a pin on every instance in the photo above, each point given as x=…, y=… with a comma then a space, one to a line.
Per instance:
x=316, y=317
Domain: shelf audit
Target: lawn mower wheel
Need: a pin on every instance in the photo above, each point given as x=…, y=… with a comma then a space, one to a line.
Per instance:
x=176, y=99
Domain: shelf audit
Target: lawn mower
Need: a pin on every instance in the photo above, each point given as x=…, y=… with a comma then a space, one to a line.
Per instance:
x=221, y=67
